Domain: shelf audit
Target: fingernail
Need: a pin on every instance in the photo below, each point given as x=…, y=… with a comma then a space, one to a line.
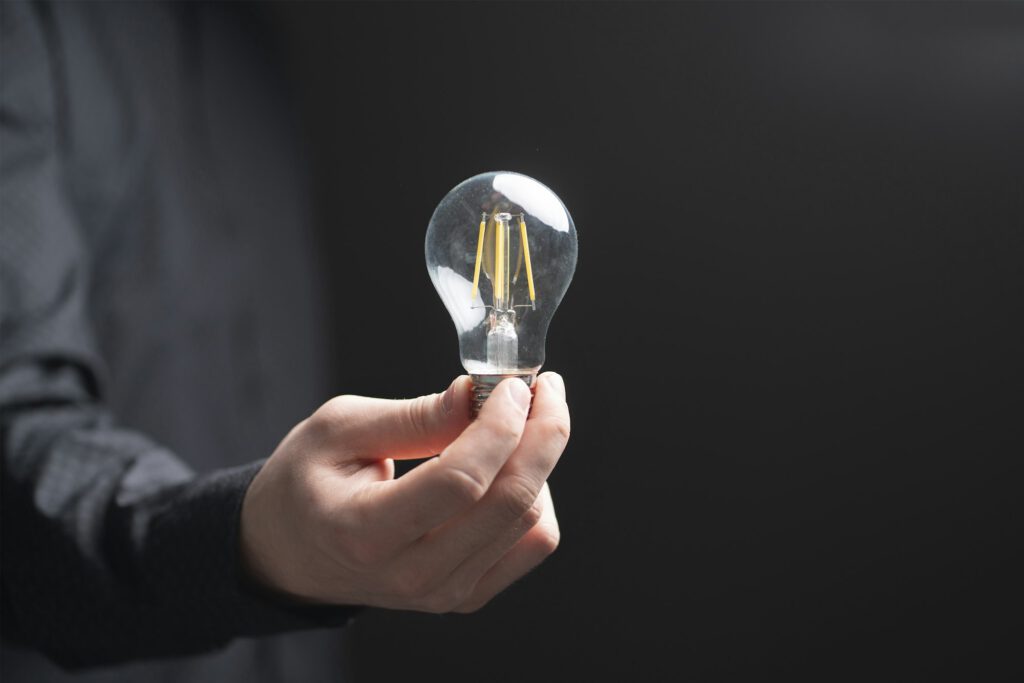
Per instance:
x=556, y=382
x=448, y=400
x=520, y=393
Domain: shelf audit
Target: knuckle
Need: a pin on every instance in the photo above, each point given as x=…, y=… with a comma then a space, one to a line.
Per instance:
x=466, y=486
x=556, y=429
x=449, y=598
x=333, y=414
x=548, y=540
x=443, y=601
x=318, y=424
x=434, y=605
x=417, y=415
x=455, y=597
x=473, y=605
x=533, y=515
x=519, y=496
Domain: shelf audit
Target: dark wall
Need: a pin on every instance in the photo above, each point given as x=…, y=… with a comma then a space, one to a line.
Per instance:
x=793, y=344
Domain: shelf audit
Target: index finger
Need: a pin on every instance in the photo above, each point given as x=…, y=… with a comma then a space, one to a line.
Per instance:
x=445, y=486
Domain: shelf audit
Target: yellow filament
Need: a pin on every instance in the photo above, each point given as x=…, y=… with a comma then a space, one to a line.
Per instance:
x=519, y=267
x=499, y=262
x=526, y=253
x=479, y=253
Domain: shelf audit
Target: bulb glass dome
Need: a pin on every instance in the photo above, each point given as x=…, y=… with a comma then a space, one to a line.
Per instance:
x=501, y=251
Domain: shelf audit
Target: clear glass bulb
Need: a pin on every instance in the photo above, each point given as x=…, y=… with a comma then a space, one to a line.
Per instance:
x=501, y=251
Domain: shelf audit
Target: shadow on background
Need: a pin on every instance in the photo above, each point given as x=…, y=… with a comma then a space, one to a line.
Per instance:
x=793, y=342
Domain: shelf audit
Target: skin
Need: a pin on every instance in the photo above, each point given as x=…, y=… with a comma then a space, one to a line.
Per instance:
x=326, y=521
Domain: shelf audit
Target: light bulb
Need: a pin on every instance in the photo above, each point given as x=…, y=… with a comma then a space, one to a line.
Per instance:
x=501, y=251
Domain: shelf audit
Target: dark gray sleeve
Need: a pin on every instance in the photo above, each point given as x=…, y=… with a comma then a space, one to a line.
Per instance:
x=112, y=549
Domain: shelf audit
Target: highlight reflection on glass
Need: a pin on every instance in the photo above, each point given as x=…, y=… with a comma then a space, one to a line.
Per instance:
x=501, y=251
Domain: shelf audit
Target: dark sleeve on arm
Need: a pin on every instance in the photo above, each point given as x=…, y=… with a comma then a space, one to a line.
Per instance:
x=112, y=549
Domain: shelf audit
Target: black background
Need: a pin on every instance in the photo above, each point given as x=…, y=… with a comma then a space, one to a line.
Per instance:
x=792, y=345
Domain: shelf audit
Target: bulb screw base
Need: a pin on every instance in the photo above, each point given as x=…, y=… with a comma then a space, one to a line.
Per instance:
x=483, y=385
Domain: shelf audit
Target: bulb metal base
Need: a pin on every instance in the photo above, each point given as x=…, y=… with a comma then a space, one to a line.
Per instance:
x=483, y=385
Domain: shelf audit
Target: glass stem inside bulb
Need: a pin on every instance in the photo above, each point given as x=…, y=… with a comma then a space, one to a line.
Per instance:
x=502, y=340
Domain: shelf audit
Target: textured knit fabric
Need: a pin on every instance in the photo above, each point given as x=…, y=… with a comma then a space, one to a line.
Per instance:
x=158, y=331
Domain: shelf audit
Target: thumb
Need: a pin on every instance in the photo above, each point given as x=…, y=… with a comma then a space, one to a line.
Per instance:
x=376, y=428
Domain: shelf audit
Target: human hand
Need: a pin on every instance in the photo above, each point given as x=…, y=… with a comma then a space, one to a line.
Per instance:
x=326, y=521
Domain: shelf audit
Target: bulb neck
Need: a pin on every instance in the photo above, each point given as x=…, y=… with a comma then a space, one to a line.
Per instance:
x=483, y=385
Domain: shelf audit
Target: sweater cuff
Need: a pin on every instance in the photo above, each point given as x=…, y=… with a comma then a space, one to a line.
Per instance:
x=207, y=545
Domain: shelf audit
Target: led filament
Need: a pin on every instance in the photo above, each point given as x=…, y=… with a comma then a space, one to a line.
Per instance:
x=496, y=233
